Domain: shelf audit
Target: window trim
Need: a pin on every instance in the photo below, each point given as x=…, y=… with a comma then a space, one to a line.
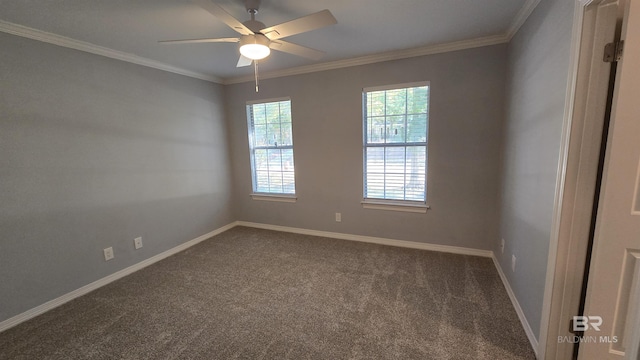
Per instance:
x=267, y=196
x=263, y=101
x=393, y=204
x=274, y=197
x=397, y=86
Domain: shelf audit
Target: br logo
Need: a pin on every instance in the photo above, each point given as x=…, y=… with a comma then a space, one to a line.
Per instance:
x=582, y=323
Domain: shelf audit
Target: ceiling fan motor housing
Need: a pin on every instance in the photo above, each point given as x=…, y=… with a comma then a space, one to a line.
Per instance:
x=254, y=25
x=254, y=39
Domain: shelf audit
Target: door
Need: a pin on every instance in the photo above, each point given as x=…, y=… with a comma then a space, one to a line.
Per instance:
x=612, y=307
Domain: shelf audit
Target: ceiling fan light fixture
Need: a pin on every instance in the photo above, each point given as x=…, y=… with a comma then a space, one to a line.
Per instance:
x=254, y=47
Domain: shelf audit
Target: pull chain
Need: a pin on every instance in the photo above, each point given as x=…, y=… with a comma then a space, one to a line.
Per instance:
x=255, y=67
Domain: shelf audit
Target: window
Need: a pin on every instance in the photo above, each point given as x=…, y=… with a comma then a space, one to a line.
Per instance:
x=271, y=146
x=395, y=145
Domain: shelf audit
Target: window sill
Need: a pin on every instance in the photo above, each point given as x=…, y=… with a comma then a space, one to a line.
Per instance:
x=274, y=197
x=391, y=205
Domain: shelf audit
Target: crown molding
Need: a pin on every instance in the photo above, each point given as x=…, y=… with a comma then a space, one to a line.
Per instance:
x=39, y=35
x=376, y=58
x=521, y=17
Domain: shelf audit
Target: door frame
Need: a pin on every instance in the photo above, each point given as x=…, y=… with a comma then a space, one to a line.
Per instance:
x=567, y=244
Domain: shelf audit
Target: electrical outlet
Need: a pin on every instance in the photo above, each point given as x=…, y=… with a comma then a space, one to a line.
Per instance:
x=513, y=263
x=137, y=242
x=502, y=246
x=108, y=253
x=338, y=217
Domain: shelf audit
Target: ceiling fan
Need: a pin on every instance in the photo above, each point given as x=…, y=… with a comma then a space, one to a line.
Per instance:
x=257, y=40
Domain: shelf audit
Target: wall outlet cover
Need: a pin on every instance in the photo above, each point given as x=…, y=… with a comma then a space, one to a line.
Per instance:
x=108, y=254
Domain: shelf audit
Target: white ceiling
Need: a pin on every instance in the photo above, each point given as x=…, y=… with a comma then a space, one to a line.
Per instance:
x=365, y=27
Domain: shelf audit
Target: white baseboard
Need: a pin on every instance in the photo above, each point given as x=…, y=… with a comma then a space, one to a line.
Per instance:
x=371, y=239
x=516, y=305
x=13, y=321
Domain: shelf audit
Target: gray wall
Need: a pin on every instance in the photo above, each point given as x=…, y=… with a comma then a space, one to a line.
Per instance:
x=538, y=65
x=466, y=115
x=94, y=152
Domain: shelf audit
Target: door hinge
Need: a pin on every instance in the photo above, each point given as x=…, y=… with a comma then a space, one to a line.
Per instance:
x=613, y=51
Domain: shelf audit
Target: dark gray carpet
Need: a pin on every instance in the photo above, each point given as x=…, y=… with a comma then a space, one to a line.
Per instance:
x=257, y=294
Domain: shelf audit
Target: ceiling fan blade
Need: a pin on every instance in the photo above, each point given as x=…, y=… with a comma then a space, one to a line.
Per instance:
x=306, y=23
x=244, y=61
x=221, y=14
x=194, y=41
x=295, y=49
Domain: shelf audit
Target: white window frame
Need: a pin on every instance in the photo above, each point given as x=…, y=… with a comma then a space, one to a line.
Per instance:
x=267, y=196
x=388, y=204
